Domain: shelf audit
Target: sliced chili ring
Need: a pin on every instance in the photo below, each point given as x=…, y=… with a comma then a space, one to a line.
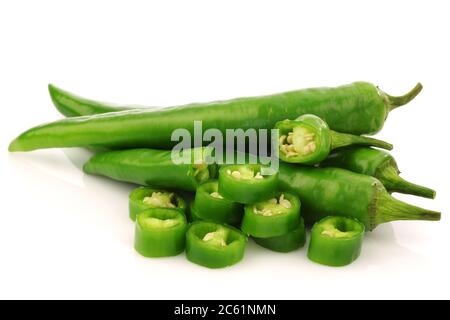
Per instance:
x=160, y=232
x=246, y=183
x=336, y=241
x=211, y=206
x=272, y=218
x=214, y=245
x=144, y=198
x=291, y=241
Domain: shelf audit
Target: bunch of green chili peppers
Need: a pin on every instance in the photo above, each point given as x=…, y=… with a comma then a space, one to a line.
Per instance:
x=331, y=177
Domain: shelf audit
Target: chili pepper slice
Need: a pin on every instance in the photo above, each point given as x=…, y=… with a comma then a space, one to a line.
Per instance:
x=338, y=192
x=291, y=241
x=272, y=218
x=144, y=198
x=210, y=205
x=213, y=245
x=193, y=212
x=160, y=232
x=309, y=140
x=150, y=167
x=379, y=164
x=336, y=241
x=246, y=184
x=357, y=108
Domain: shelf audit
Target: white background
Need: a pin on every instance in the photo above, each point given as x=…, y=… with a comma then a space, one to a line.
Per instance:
x=67, y=235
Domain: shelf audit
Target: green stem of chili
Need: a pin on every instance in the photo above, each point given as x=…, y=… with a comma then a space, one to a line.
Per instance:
x=339, y=140
x=397, y=101
x=394, y=183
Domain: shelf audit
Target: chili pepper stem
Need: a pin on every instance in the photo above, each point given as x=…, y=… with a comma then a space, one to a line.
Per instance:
x=397, y=101
x=339, y=140
x=389, y=175
x=389, y=209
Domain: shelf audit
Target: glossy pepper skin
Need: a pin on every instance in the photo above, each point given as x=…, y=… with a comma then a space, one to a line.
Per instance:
x=210, y=205
x=245, y=184
x=309, y=140
x=357, y=108
x=288, y=242
x=272, y=218
x=336, y=241
x=379, y=164
x=140, y=199
x=160, y=233
x=338, y=192
x=149, y=167
x=213, y=245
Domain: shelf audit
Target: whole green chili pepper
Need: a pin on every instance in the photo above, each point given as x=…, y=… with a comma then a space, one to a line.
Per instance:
x=338, y=192
x=213, y=245
x=150, y=167
x=336, y=241
x=309, y=140
x=245, y=183
x=357, y=108
x=379, y=164
x=288, y=242
x=272, y=218
x=144, y=198
x=211, y=206
x=160, y=232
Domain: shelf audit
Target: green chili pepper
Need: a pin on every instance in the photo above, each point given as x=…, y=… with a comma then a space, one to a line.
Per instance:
x=213, y=245
x=150, y=167
x=288, y=242
x=336, y=241
x=309, y=140
x=272, y=218
x=378, y=164
x=333, y=191
x=160, y=232
x=246, y=184
x=357, y=108
x=144, y=198
x=211, y=206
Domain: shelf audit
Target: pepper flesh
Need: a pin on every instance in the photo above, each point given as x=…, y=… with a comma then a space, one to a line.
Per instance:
x=338, y=192
x=245, y=183
x=143, y=198
x=150, y=168
x=336, y=241
x=272, y=218
x=210, y=205
x=288, y=242
x=358, y=108
x=213, y=245
x=160, y=232
x=379, y=164
x=309, y=140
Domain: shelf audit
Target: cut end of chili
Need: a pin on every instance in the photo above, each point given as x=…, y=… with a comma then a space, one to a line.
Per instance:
x=336, y=241
x=160, y=232
x=213, y=245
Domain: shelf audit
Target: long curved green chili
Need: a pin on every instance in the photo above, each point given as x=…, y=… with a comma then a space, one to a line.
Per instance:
x=379, y=164
x=150, y=167
x=309, y=140
x=338, y=192
x=358, y=108
x=160, y=232
x=143, y=198
x=336, y=241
